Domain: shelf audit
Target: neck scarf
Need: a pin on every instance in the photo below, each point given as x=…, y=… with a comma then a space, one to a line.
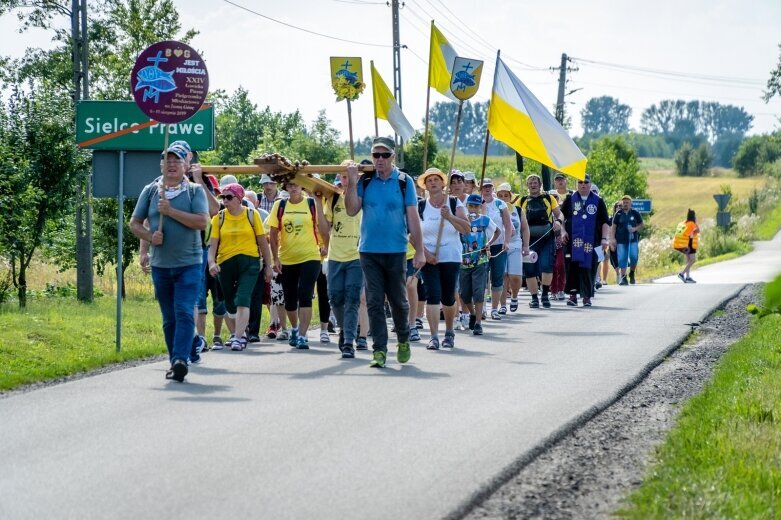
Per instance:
x=584, y=220
x=171, y=193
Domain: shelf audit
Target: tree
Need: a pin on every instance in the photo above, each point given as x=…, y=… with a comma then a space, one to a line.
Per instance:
x=691, y=161
x=605, y=115
x=471, y=133
x=239, y=128
x=413, y=153
x=319, y=144
x=613, y=166
x=39, y=170
x=757, y=153
x=774, y=82
x=683, y=159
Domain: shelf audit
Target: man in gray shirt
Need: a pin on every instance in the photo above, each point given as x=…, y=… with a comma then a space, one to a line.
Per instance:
x=176, y=252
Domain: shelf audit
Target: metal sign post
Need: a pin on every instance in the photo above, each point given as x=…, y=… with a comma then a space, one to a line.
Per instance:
x=120, y=226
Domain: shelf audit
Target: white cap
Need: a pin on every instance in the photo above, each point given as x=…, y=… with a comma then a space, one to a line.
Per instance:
x=505, y=186
x=264, y=179
x=469, y=176
x=228, y=179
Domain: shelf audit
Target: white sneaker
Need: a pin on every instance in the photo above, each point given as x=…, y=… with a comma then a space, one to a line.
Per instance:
x=324, y=337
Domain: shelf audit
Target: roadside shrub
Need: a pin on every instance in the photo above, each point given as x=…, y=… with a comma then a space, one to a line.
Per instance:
x=715, y=241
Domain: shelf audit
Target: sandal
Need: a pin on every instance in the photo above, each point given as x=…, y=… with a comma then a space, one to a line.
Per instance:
x=433, y=344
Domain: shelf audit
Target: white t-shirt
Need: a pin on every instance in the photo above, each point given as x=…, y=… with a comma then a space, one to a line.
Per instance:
x=515, y=218
x=450, y=245
x=494, y=210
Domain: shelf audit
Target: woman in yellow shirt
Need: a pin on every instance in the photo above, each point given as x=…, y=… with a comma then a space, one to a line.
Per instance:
x=294, y=245
x=238, y=240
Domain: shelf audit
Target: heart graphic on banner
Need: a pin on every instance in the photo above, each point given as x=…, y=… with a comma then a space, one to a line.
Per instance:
x=178, y=53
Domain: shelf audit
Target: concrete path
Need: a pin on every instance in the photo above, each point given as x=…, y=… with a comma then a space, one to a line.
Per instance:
x=276, y=433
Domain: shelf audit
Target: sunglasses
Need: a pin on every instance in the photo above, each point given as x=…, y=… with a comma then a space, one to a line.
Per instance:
x=227, y=197
x=584, y=182
x=384, y=155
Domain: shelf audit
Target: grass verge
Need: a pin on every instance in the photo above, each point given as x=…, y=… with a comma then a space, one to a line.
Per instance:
x=770, y=224
x=723, y=459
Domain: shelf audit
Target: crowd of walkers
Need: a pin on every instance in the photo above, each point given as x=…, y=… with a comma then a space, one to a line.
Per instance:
x=432, y=248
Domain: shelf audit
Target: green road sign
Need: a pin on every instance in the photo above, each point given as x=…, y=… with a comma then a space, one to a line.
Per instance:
x=120, y=125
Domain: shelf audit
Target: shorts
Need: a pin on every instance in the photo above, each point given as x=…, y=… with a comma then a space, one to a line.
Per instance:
x=472, y=283
x=546, y=256
x=514, y=263
x=441, y=282
x=496, y=264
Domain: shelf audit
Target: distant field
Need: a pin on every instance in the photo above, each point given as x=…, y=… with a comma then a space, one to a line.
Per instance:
x=673, y=195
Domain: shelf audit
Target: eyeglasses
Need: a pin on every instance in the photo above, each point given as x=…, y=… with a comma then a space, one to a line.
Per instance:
x=227, y=197
x=384, y=155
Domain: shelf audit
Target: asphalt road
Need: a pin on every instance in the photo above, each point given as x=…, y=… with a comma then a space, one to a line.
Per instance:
x=276, y=433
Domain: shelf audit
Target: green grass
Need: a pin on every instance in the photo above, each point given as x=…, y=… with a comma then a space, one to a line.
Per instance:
x=770, y=224
x=723, y=459
x=56, y=337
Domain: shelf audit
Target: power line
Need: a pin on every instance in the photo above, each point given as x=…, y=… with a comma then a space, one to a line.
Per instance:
x=303, y=29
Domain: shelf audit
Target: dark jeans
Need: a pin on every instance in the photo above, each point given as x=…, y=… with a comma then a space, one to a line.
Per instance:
x=345, y=280
x=384, y=274
x=323, y=307
x=177, y=289
x=580, y=279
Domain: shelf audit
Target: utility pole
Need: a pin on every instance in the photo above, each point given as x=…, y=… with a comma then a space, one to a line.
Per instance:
x=547, y=181
x=84, y=270
x=397, y=69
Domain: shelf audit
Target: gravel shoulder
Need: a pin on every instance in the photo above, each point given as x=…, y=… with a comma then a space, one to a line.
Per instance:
x=589, y=471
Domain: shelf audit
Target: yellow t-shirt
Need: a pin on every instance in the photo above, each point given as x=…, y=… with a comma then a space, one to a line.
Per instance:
x=410, y=251
x=236, y=236
x=345, y=232
x=297, y=243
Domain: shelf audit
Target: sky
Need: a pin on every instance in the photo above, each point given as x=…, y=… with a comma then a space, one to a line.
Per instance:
x=714, y=50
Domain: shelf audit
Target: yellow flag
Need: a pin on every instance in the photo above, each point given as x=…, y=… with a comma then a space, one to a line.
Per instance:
x=385, y=107
x=519, y=120
x=440, y=62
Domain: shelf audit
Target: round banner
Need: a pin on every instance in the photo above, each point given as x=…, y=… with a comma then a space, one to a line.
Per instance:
x=169, y=81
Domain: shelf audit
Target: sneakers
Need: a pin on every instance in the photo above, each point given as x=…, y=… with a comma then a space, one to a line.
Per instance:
x=573, y=300
x=586, y=302
x=403, y=352
x=414, y=335
x=283, y=335
x=271, y=332
x=348, y=352
x=477, y=330
x=293, y=339
x=484, y=314
x=199, y=343
x=449, y=341
x=418, y=323
x=360, y=344
x=534, y=303
x=460, y=322
x=433, y=344
x=683, y=278
x=623, y=281
x=632, y=277
x=503, y=309
x=545, y=301
x=324, y=337
x=332, y=325
x=217, y=343
x=472, y=321
x=378, y=359
x=513, y=304
x=561, y=296
x=236, y=344
x=689, y=279
x=302, y=343
x=178, y=371
x=253, y=338
x=598, y=284
x=495, y=314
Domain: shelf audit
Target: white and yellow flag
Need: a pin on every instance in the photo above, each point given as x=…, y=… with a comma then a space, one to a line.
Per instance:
x=440, y=62
x=385, y=107
x=519, y=120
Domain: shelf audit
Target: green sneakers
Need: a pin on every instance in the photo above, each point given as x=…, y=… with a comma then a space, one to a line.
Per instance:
x=379, y=359
x=403, y=353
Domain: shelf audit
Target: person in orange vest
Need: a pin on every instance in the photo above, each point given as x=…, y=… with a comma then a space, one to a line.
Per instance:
x=686, y=240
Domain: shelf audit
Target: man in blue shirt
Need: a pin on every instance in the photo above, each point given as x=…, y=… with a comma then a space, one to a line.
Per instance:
x=390, y=214
x=176, y=252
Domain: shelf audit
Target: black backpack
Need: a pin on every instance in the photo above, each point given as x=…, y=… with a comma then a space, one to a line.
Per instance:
x=422, y=206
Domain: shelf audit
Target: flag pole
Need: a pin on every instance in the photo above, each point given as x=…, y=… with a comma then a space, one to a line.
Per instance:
x=428, y=99
x=350, y=126
x=449, y=173
x=374, y=100
x=487, y=130
x=161, y=193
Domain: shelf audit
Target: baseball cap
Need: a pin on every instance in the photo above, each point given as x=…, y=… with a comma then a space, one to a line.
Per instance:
x=474, y=199
x=227, y=179
x=505, y=186
x=385, y=142
x=177, y=150
x=456, y=173
x=559, y=175
x=184, y=144
x=487, y=181
x=265, y=179
x=469, y=176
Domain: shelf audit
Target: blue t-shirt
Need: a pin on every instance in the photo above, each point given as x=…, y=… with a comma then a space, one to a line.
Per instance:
x=384, y=221
x=473, y=243
x=181, y=246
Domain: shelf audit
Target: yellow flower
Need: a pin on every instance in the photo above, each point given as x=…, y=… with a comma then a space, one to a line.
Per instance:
x=346, y=90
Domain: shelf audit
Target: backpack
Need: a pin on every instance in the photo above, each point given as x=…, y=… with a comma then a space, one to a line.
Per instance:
x=422, y=206
x=312, y=210
x=539, y=214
